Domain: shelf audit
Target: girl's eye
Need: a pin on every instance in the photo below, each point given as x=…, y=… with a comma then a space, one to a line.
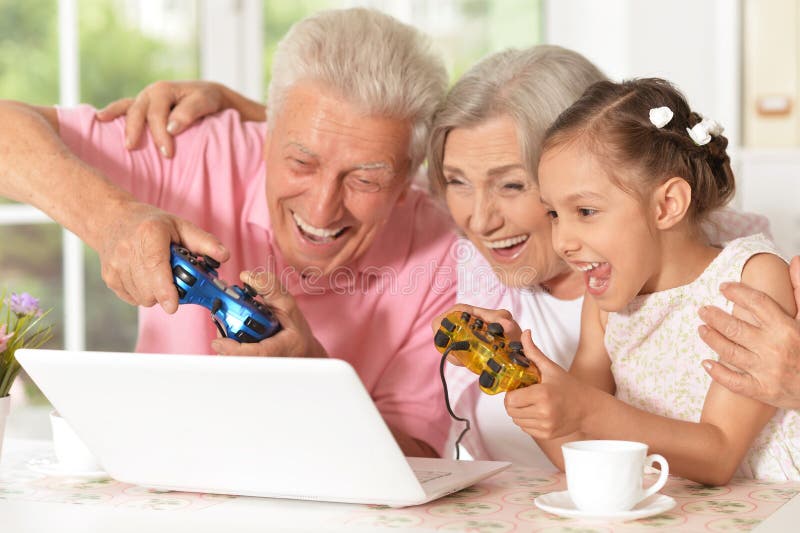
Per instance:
x=586, y=212
x=552, y=214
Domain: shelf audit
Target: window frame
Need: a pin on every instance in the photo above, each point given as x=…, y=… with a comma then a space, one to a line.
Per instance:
x=237, y=32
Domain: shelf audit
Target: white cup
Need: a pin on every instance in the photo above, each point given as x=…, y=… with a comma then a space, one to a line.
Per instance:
x=607, y=475
x=71, y=452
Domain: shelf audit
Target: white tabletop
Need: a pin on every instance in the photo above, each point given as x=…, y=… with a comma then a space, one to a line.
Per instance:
x=235, y=515
x=33, y=503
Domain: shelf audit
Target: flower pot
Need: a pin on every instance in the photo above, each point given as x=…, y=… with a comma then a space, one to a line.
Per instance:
x=5, y=407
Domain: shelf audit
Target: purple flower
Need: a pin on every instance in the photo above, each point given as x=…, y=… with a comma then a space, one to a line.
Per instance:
x=4, y=338
x=23, y=304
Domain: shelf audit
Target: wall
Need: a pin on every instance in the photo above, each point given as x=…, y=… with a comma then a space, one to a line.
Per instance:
x=694, y=44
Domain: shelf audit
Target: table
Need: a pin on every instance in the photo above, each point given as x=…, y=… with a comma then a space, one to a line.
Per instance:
x=33, y=503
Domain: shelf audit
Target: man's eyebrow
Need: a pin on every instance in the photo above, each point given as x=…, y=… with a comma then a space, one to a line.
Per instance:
x=377, y=165
x=374, y=166
x=303, y=149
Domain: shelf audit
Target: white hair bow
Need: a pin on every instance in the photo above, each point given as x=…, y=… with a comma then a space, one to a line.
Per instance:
x=702, y=131
x=660, y=116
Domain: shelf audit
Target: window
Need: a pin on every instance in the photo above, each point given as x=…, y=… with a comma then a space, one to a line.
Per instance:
x=122, y=46
x=463, y=30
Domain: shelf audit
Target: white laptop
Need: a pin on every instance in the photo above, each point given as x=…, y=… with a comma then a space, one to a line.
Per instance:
x=255, y=426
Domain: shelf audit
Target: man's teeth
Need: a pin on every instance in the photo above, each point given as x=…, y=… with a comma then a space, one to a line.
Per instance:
x=505, y=243
x=317, y=232
x=587, y=267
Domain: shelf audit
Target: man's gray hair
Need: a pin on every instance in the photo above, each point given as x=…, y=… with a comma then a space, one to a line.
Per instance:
x=374, y=61
x=532, y=86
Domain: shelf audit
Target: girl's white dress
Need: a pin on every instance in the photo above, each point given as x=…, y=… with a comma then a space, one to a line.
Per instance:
x=656, y=357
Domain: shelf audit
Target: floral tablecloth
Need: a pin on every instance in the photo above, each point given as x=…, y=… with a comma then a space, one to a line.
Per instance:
x=503, y=503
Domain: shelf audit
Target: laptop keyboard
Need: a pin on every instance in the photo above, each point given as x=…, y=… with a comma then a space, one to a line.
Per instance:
x=423, y=476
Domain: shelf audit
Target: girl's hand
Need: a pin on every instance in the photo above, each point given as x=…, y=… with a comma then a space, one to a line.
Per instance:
x=169, y=107
x=503, y=317
x=552, y=408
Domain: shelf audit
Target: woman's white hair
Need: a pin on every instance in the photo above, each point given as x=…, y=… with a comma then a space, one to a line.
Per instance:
x=532, y=86
x=374, y=61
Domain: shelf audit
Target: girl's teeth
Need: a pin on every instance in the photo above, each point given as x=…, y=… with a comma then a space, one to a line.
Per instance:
x=587, y=267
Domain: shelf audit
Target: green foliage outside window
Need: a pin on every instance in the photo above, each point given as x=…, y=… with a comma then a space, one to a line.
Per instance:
x=116, y=59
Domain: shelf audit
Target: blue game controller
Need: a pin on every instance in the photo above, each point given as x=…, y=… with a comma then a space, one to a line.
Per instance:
x=234, y=310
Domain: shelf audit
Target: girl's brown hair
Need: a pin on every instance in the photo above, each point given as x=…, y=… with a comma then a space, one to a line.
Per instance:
x=613, y=121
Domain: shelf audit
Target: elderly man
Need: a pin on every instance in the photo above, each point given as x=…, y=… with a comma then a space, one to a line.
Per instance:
x=318, y=207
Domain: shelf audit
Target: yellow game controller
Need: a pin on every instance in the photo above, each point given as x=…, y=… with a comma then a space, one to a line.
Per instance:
x=482, y=348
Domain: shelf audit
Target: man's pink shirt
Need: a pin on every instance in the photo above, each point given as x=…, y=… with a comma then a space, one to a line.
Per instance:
x=376, y=314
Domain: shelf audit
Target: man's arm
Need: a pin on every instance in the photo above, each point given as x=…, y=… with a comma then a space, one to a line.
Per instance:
x=766, y=354
x=38, y=169
x=132, y=238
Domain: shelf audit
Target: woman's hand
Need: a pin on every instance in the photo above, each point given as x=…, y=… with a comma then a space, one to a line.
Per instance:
x=552, y=408
x=511, y=329
x=295, y=339
x=169, y=107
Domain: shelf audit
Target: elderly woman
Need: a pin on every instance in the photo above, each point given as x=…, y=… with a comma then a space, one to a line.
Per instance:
x=485, y=145
x=484, y=151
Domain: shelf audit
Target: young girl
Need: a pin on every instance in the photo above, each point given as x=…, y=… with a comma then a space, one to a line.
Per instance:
x=628, y=173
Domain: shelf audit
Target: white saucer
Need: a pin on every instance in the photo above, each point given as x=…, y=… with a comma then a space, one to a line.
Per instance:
x=49, y=466
x=559, y=503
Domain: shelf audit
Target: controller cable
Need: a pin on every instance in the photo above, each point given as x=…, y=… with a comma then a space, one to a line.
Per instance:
x=461, y=345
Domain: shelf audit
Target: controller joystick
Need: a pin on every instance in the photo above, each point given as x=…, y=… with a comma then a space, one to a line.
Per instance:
x=250, y=291
x=500, y=365
x=211, y=262
x=234, y=310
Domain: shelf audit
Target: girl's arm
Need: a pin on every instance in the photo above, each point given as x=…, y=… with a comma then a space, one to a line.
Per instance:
x=552, y=411
x=708, y=451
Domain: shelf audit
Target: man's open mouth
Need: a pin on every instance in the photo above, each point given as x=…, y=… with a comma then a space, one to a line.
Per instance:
x=318, y=235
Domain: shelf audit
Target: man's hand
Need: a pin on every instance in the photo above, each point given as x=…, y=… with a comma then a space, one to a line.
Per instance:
x=295, y=339
x=762, y=361
x=552, y=408
x=511, y=329
x=134, y=253
x=169, y=107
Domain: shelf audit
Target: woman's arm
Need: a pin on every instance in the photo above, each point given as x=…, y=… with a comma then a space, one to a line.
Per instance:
x=169, y=107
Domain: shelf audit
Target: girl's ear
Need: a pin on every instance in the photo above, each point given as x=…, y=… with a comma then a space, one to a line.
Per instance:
x=672, y=200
